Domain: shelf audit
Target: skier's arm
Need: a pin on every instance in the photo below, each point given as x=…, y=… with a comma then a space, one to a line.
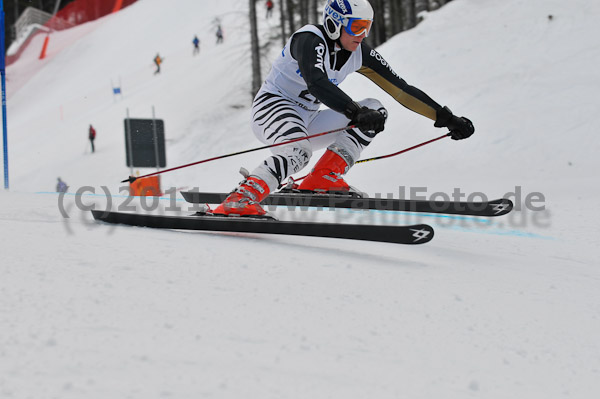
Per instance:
x=305, y=49
x=379, y=71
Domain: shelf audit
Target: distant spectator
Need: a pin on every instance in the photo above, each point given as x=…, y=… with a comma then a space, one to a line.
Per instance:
x=61, y=186
x=219, y=34
x=157, y=62
x=269, y=8
x=92, y=136
x=196, y=42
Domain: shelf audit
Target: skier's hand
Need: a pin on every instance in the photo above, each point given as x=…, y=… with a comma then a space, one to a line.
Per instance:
x=460, y=127
x=366, y=119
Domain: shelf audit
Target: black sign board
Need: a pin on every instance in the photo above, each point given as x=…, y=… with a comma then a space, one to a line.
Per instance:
x=139, y=133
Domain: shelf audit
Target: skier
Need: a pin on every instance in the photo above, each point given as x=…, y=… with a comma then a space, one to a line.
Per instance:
x=219, y=34
x=61, y=186
x=269, y=6
x=157, y=61
x=92, y=136
x=314, y=61
x=196, y=42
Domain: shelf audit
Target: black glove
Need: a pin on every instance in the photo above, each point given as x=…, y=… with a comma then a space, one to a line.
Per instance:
x=460, y=127
x=366, y=119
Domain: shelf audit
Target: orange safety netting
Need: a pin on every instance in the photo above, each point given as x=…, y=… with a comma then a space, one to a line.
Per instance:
x=73, y=14
x=82, y=11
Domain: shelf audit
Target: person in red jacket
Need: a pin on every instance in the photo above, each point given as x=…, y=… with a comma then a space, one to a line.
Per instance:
x=92, y=136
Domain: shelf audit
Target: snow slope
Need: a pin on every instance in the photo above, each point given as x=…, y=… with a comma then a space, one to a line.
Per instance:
x=492, y=309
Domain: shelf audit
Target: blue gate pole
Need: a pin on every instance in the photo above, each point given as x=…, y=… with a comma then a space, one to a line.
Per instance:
x=3, y=73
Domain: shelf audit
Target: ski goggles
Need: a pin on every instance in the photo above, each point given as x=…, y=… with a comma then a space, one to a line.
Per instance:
x=357, y=26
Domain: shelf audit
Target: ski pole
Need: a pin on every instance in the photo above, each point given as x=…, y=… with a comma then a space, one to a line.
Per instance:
x=391, y=155
x=131, y=179
x=404, y=150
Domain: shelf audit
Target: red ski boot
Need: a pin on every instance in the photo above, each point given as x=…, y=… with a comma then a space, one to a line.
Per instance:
x=245, y=200
x=327, y=174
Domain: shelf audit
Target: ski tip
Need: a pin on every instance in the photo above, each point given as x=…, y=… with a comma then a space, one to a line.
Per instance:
x=501, y=207
x=130, y=179
x=100, y=215
x=421, y=233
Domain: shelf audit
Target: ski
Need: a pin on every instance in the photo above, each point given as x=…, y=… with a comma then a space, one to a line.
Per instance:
x=354, y=201
x=413, y=234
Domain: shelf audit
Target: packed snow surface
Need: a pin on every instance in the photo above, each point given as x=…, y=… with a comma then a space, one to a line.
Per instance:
x=502, y=308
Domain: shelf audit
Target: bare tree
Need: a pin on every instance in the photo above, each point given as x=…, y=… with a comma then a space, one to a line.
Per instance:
x=291, y=9
x=255, y=48
x=379, y=23
x=410, y=14
x=314, y=11
x=303, y=8
x=396, y=17
x=282, y=22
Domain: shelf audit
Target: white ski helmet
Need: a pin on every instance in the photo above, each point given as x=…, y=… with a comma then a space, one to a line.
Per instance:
x=356, y=16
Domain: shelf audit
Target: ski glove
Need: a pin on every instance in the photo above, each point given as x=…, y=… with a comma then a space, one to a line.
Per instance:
x=460, y=127
x=369, y=121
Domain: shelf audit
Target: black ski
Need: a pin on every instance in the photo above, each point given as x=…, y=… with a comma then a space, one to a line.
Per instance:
x=415, y=234
x=298, y=199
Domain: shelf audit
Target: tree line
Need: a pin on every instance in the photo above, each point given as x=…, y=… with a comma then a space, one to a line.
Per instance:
x=391, y=17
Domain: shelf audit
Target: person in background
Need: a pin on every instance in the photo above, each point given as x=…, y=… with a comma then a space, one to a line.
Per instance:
x=269, y=8
x=196, y=42
x=92, y=137
x=219, y=34
x=157, y=61
x=61, y=186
